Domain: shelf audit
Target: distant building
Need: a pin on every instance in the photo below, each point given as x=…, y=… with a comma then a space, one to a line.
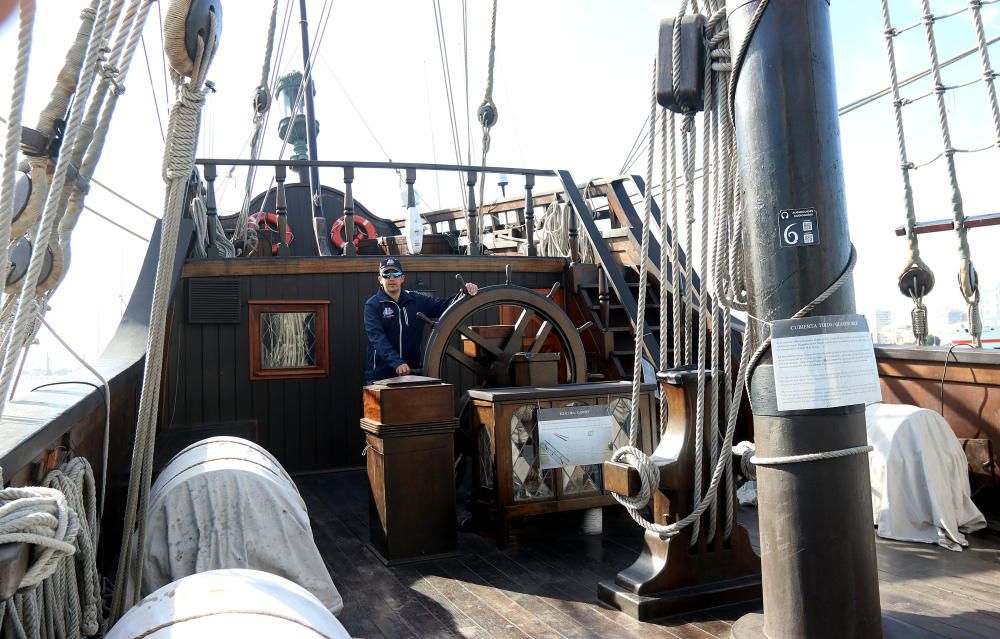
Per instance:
x=883, y=322
x=956, y=316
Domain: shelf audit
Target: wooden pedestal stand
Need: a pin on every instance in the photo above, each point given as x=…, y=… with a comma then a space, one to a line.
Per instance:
x=671, y=575
x=410, y=469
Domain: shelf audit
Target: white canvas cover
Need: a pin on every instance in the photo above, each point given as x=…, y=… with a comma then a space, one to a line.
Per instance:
x=229, y=603
x=919, y=475
x=225, y=502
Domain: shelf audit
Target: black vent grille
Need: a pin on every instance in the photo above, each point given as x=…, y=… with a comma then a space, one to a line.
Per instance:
x=213, y=301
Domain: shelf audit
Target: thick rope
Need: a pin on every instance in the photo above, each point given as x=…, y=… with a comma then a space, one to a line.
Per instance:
x=703, y=306
x=919, y=327
x=95, y=131
x=178, y=163
x=631, y=454
x=988, y=73
x=25, y=304
x=487, y=112
x=41, y=517
x=66, y=81
x=260, y=117
x=665, y=256
x=717, y=164
x=26, y=21
x=811, y=457
x=675, y=258
x=689, y=137
x=65, y=602
x=968, y=281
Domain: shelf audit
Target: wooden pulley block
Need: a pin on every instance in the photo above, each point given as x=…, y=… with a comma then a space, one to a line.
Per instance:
x=916, y=280
x=187, y=22
x=20, y=257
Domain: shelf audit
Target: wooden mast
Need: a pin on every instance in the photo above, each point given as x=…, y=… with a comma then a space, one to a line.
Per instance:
x=817, y=544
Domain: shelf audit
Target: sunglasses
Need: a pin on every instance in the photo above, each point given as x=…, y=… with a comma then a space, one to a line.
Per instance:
x=390, y=275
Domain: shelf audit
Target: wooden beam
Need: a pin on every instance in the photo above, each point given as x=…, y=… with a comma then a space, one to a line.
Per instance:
x=621, y=478
x=366, y=264
x=936, y=226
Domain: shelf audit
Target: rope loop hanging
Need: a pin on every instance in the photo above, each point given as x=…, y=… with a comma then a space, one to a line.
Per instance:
x=718, y=162
x=178, y=162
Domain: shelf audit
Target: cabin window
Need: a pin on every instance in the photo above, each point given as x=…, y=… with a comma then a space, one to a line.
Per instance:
x=288, y=340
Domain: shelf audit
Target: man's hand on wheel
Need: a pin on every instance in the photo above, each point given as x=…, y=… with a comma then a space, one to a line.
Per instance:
x=403, y=369
x=471, y=288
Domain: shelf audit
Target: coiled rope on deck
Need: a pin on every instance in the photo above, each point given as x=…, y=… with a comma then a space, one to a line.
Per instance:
x=59, y=596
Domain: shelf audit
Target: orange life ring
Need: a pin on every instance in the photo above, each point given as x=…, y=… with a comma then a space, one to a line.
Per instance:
x=363, y=228
x=269, y=222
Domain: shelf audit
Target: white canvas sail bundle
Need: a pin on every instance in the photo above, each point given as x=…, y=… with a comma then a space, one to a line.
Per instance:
x=225, y=502
x=229, y=603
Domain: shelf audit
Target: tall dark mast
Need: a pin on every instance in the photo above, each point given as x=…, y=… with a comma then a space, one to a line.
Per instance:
x=316, y=195
x=817, y=542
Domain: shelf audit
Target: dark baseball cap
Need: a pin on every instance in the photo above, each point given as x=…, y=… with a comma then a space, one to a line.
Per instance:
x=390, y=263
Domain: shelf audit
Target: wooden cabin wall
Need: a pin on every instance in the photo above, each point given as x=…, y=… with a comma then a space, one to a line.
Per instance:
x=308, y=424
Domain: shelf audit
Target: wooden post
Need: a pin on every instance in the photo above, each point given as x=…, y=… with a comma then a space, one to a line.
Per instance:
x=349, y=248
x=816, y=536
x=280, y=210
x=529, y=215
x=212, y=213
x=473, y=216
x=574, y=248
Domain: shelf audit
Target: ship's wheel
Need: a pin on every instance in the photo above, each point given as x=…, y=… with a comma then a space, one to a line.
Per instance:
x=540, y=325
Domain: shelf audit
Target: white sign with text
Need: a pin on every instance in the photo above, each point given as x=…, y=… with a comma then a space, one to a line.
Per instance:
x=574, y=436
x=824, y=361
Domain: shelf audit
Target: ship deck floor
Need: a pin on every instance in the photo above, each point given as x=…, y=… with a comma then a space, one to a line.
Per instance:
x=545, y=583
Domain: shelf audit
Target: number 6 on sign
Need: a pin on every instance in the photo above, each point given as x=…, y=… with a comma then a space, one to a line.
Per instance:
x=791, y=237
x=798, y=227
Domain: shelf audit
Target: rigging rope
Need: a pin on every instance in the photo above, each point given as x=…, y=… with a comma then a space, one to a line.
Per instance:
x=487, y=113
x=917, y=279
x=95, y=131
x=449, y=97
x=967, y=277
x=263, y=96
x=178, y=163
x=717, y=162
x=26, y=300
x=26, y=21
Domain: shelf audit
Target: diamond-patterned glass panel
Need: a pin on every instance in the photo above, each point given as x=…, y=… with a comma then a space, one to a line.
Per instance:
x=485, y=458
x=621, y=418
x=288, y=340
x=581, y=479
x=529, y=482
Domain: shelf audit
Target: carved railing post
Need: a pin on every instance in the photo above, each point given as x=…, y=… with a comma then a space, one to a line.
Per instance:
x=473, y=215
x=280, y=210
x=349, y=248
x=529, y=215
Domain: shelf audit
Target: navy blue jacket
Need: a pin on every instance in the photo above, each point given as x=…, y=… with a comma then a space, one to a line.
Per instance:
x=395, y=331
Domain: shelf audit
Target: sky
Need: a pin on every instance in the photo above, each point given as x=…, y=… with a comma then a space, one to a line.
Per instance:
x=571, y=86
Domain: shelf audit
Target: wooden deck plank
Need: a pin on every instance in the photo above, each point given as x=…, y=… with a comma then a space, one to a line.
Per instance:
x=544, y=585
x=501, y=602
x=530, y=596
x=495, y=624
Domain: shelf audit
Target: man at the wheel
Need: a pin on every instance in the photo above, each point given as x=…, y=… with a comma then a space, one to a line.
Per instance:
x=394, y=331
